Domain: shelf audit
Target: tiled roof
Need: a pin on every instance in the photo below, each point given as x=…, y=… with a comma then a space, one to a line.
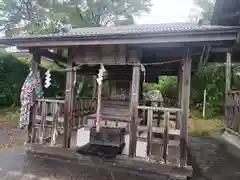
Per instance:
x=127, y=34
x=140, y=29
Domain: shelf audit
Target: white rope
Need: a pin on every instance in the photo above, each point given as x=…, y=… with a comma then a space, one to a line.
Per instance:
x=132, y=64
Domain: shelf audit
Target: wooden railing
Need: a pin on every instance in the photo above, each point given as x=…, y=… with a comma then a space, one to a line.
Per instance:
x=49, y=119
x=165, y=131
x=157, y=115
x=114, y=113
x=50, y=105
x=83, y=107
x=49, y=115
x=232, y=111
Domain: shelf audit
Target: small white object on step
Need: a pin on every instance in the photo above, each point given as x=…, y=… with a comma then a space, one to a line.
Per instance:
x=83, y=136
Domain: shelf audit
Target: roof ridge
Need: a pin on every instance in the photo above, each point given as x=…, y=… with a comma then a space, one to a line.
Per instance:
x=142, y=26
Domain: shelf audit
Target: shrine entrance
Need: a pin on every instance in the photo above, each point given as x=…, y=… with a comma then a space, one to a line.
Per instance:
x=119, y=117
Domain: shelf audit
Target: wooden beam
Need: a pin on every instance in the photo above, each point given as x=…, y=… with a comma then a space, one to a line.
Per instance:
x=68, y=115
x=186, y=67
x=57, y=58
x=134, y=57
x=220, y=49
x=48, y=54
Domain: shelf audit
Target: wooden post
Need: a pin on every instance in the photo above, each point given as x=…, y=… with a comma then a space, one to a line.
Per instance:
x=165, y=136
x=149, y=135
x=54, y=123
x=68, y=102
x=35, y=61
x=99, y=98
x=228, y=85
x=43, y=119
x=204, y=103
x=186, y=67
x=179, y=85
x=134, y=102
x=228, y=72
x=236, y=111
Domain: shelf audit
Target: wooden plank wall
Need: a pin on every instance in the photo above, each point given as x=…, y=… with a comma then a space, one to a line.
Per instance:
x=232, y=111
x=106, y=54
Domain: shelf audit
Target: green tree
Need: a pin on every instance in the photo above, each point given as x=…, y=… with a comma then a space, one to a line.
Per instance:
x=44, y=16
x=203, y=11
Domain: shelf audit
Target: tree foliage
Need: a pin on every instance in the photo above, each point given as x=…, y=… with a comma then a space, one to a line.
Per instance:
x=11, y=77
x=211, y=79
x=44, y=16
x=13, y=73
x=203, y=10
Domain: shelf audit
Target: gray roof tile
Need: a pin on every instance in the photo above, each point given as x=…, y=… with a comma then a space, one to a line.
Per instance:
x=139, y=29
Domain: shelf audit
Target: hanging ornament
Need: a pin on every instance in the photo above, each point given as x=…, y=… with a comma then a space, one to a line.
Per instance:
x=100, y=74
x=47, y=79
x=144, y=72
x=99, y=81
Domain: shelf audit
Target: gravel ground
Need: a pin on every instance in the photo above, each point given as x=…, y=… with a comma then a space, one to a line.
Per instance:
x=15, y=164
x=11, y=135
x=213, y=161
x=210, y=157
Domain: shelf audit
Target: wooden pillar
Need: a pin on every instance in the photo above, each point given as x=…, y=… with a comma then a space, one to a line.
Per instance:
x=179, y=98
x=68, y=106
x=36, y=60
x=134, y=102
x=227, y=84
x=228, y=72
x=186, y=68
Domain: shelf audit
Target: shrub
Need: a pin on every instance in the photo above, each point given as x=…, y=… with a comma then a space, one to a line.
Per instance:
x=13, y=73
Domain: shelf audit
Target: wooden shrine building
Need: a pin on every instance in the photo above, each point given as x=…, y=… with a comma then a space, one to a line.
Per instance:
x=227, y=13
x=129, y=54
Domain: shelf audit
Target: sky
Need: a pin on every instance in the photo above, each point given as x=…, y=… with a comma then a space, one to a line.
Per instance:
x=167, y=11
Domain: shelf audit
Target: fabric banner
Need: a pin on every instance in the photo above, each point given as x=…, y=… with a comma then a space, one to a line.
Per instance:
x=32, y=84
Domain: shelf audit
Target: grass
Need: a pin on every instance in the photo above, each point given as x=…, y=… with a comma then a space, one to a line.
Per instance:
x=9, y=114
x=201, y=127
x=204, y=127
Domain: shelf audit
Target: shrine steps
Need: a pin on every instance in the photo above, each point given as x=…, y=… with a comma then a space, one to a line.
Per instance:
x=83, y=138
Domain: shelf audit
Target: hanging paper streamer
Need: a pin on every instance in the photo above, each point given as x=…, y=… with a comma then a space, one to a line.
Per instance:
x=47, y=79
x=32, y=84
x=100, y=74
x=99, y=81
x=144, y=72
x=75, y=77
